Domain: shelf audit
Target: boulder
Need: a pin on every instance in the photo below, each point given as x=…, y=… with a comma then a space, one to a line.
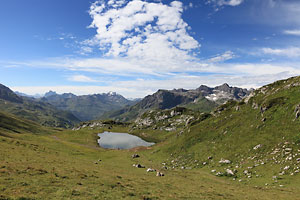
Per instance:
x=138, y=166
x=151, y=170
x=224, y=161
x=219, y=174
x=135, y=156
x=229, y=172
x=159, y=174
x=257, y=147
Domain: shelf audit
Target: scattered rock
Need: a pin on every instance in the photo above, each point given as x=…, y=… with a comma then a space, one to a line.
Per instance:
x=297, y=111
x=135, y=156
x=263, y=109
x=282, y=173
x=257, y=147
x=219, y=174
x=229, y=172
x=159, y=174
x=224, y=161
x=151, y=170
x=138, y=166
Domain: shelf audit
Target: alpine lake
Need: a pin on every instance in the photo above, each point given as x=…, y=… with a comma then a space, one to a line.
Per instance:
x=112, y=140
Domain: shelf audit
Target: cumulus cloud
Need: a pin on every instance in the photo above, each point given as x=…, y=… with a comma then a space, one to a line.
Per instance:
x=292, y=32
x=152, y=32
x=292, y=52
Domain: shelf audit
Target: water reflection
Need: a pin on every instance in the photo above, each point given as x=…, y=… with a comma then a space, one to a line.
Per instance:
x=111, y=140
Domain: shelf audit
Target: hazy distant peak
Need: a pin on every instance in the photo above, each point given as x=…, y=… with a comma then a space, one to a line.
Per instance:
x=50, y=93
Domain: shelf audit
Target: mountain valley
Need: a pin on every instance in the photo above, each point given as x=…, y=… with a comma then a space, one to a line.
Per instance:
x=243, y=147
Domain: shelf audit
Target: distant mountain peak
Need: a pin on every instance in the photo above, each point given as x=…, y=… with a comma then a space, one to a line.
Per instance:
x=223, y=87
x=110, y=93
x=50, y=93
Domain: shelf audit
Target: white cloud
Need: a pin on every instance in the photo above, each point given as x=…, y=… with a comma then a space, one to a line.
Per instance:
x=81, y=78
x=226, y=2
x=292, y=32
x=116, y=66
x=85, y=50
x=230, y=2
x=223, y=57
x=137, y=68
x=292, y=52
x=151, y=32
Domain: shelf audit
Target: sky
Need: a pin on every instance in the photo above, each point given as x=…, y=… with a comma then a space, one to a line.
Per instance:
x=136, y=47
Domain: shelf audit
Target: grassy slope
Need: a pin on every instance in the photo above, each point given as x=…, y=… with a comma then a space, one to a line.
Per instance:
x=232, y=134
x=10, y=124
x=40, y=112
x=62, y=165
x=202, y=105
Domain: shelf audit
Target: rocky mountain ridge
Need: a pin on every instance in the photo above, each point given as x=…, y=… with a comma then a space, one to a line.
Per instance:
x=203, y=99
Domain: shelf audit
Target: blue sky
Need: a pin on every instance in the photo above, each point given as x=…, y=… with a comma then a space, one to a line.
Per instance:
x=137, y=47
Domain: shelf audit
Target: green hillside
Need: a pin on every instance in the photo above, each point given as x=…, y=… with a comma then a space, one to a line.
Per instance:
x=10, y=125
x=259, y=136
x=34, y=110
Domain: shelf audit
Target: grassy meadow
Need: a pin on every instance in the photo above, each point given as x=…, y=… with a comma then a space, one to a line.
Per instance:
x=66, y=165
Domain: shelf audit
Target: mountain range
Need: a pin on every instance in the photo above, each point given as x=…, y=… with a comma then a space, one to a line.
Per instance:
x=203, y=99
x=65, y=110
x=87, y=107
